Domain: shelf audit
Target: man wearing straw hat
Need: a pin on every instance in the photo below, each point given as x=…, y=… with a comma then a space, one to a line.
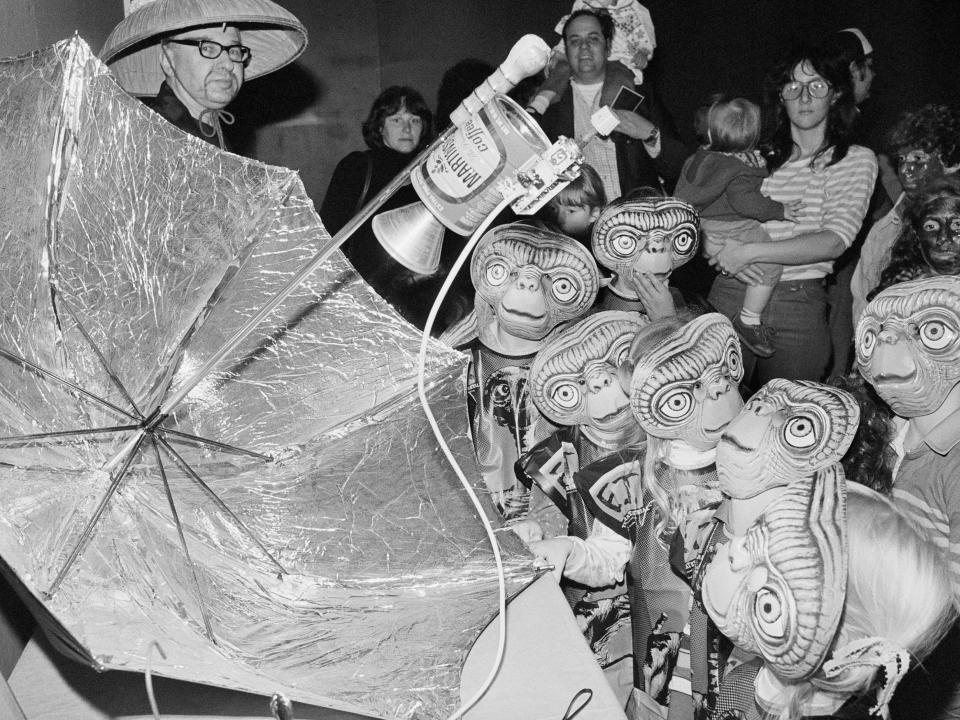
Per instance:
x=189, y=58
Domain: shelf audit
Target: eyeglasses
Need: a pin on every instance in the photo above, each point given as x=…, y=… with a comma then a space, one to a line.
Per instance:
x=594, y=40
x=818, y=88
x=211, y=49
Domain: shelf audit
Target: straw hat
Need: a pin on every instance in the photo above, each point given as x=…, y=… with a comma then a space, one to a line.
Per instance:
x=274, y=35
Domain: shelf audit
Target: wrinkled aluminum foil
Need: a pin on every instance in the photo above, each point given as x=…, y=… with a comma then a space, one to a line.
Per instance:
x=132, y=254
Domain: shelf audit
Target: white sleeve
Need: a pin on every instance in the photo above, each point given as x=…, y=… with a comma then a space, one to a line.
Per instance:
x=600, y=560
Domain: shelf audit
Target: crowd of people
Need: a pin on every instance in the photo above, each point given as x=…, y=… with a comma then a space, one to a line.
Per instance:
x=745, y=484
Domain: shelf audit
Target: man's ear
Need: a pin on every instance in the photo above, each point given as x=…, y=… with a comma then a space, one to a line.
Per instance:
x=595, y=213
x=165, y=63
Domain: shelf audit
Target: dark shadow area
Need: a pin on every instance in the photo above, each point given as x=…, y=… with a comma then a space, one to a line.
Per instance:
x=271, y=99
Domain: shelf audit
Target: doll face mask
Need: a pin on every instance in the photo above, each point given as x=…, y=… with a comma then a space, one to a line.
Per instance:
x=685, y=387
x=908, y=344
x=650, y=235
x=778, y=591
x=938, y=233
x=786, y=431
x=574, y=377
x=531, y=280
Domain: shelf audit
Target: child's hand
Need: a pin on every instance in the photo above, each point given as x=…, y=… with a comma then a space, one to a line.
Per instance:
x=791, y=210
x=655, y=295
x=552, y=553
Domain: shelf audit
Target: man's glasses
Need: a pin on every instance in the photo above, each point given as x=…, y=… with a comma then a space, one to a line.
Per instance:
x=212, y=50
x=815, y=88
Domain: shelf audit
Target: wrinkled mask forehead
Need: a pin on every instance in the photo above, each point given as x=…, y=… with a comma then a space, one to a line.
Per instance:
x=664, y=386
x=779, y=591
x=786, y=431
x=510, y=247
x=560, y=371
x=908, y=344
x=654, y=235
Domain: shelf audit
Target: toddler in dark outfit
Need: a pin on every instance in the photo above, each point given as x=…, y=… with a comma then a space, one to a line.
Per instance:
x=723, y=182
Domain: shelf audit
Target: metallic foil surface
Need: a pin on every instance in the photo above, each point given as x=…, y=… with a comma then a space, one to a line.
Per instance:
x=291, y=525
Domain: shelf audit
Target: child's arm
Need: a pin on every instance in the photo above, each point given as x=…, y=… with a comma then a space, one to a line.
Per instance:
x=598, y=561
x=743, y=194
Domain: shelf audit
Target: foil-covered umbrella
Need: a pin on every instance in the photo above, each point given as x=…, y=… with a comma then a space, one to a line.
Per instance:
x=282, y=520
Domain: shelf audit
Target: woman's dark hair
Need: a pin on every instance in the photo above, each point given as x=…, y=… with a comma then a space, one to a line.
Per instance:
x=906, y=260
x=931, y=128
x=779, y=144
x=391, y=101
x=602, y=16
x=869, y=460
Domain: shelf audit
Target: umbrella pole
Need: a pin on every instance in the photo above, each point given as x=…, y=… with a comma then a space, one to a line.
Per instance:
x=366, y=212
x=527, y=57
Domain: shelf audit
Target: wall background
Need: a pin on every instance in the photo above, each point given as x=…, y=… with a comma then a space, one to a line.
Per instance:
x=308, y=115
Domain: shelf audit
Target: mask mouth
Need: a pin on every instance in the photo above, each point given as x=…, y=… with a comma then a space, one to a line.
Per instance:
x=612, y=418
x=727, y=439
x=523, y=316
x=890, y=379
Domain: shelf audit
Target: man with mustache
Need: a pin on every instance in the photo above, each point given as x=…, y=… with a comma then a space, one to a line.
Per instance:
x=189, y=60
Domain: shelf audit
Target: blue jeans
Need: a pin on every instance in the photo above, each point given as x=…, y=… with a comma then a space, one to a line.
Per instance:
x=798, y=313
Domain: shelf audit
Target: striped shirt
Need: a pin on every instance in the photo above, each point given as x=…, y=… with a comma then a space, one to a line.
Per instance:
x=834, y=198
x=927, y=488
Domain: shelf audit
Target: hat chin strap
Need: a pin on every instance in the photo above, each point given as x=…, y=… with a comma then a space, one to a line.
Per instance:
x=210, y=120
x=213, y=118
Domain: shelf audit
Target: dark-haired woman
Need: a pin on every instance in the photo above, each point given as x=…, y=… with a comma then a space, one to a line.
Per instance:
x=811, y=160
x=398, y=127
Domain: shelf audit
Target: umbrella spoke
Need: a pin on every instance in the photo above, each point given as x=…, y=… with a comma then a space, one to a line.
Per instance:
x=213, y=443
x=220, y=503
x=183, y=543
x=63, y=381
x=88, y=530
x=67, y=433
x=103, y=361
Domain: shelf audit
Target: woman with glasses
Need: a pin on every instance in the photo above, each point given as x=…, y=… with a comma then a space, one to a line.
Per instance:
x=812, y=160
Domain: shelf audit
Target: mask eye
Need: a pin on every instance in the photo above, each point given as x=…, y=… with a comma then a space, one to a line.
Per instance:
x=930, y=226
x=623, y=243
x=566, y=396
x=768, y=611
x=936, y=335
x=800, y=432
x=620, y=354
x=734, y=360
x=868, y=341
x=684, y=242
x=497, y=272
x=564, y=289
x=676, y=404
